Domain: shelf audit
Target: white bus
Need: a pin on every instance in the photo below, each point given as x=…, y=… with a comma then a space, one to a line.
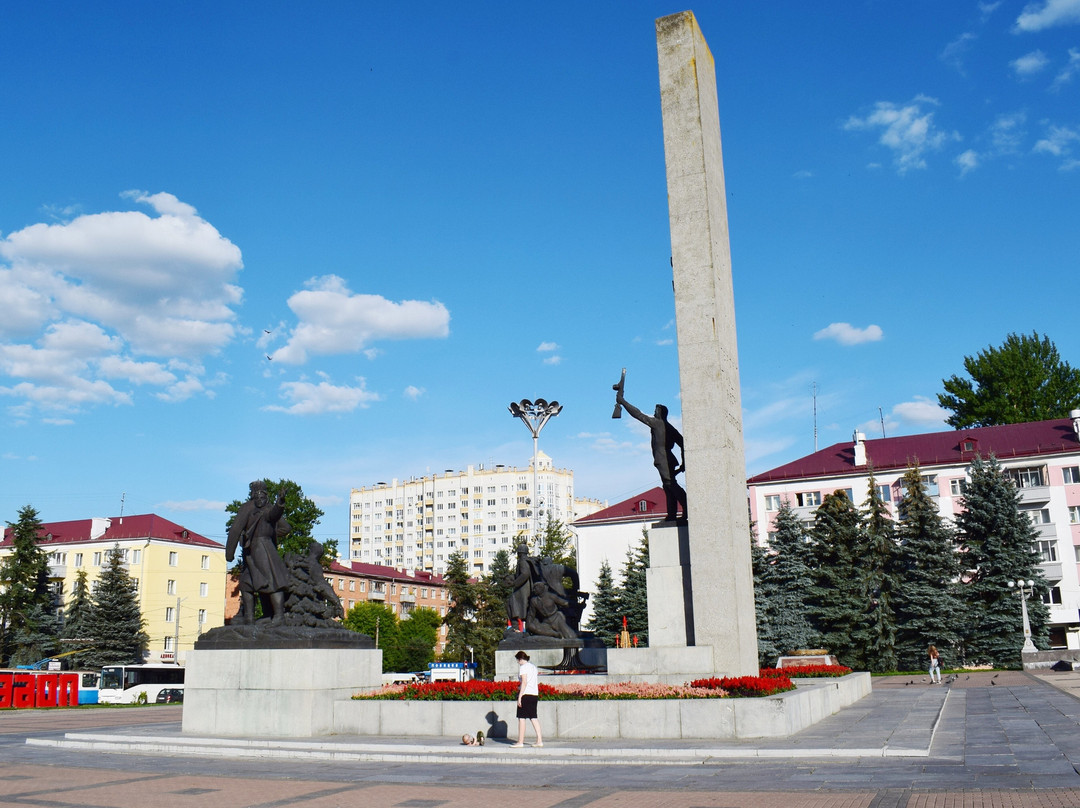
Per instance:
x=126, y=684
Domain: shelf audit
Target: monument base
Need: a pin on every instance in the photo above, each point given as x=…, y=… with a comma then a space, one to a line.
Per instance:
x=667, y=581
x=273, y=691
x=551, y=654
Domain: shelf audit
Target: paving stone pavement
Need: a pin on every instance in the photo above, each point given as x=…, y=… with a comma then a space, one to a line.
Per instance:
x=1009, y=739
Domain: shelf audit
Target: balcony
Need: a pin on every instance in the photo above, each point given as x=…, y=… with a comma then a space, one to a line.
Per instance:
x=58, y=571
x=1035, y=494
x=1046, y=531
x=1051, y=571
x=377, y=595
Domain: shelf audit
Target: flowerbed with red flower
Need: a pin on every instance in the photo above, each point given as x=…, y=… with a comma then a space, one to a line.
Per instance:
x=507, y=691
x=804, y=671
x=770, y=682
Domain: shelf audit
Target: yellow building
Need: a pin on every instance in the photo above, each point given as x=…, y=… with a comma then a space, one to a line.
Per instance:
x=179, y=574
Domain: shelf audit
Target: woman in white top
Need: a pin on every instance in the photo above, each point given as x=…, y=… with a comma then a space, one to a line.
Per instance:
x=528, y=696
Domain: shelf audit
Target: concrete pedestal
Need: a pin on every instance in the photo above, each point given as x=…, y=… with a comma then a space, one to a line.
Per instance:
x=273, y=692
x=671, y=604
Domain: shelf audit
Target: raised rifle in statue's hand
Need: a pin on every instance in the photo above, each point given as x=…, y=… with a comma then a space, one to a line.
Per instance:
x=619, y=388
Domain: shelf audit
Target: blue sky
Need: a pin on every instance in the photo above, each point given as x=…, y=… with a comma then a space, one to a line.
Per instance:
x=332, y=241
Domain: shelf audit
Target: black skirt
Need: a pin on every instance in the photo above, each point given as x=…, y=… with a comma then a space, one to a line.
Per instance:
x=528, y=707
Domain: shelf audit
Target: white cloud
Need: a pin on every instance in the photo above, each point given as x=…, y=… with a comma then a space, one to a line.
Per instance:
x=191, y=505
x=1029, y=64
x=907, y=130
x=547, y=347
x=1047, y=14
x=847, y=334
x=1007, y=132
x=803, y=174
x=316, y=399
x=413, y=392
x=920, y=411
x=334, y=320
x=953, y=54
x=967, y=161
x=553, y=360
x=81, y=296
x=605, y=443
x=1059, y=143
x=1072, y=67
x=665, y=342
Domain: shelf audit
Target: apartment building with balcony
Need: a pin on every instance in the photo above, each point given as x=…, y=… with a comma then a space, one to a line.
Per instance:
x=1042, y=459
x=179, y=575
x=417, y=524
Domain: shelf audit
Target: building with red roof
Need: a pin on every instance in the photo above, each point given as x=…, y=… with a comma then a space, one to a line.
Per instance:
x=179, y=574
x=609, y=534
x=1042, y=458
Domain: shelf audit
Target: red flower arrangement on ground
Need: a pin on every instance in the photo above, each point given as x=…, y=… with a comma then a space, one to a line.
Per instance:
x=770, y=682
x=801, y=671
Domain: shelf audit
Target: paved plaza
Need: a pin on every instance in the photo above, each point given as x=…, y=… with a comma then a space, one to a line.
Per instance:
x=984, y=739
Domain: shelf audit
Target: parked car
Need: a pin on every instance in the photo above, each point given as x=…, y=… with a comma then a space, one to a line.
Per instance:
x=170, y=695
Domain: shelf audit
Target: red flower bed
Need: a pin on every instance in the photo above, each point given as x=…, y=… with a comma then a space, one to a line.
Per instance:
x=745, y=686
x=799, y=671
x=473, y=690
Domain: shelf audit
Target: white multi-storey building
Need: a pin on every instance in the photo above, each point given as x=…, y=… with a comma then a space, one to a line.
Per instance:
x=417, y=524
x=1042, y=458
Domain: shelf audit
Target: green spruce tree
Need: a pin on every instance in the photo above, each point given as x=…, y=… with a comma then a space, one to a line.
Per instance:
x=928, y=567
x=75, y=634
x=490, y=620
x=838, y=589
x=24, y=591
x=116, y=623
x=788, y=586
x=998, y=538
x=877, y=633
x=763, y=597
x=460, y=618
x=606, y=620
x=633, y=594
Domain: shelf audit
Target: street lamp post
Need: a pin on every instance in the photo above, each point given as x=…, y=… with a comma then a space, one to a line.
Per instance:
x=534, y=414
x=1025, y=590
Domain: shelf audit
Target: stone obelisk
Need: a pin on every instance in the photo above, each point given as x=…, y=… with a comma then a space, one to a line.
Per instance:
x=719, y=528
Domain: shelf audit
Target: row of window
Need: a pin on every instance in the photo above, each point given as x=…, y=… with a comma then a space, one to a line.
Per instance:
x=1032, y=477
x=128, y=556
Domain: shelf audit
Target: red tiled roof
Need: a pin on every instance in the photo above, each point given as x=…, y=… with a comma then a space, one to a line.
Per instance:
x=933, y=448
x=139, y=526
x=629, y=510
x=389, y=573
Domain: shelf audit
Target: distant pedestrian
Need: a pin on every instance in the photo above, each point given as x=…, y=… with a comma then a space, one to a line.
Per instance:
x=528, y=697
x=935, y=665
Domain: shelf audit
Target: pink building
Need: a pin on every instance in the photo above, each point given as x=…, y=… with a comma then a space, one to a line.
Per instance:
x=1042, y=458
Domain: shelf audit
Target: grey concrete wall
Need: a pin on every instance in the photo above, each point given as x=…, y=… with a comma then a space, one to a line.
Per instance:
x=279, y=693
x=772, y=717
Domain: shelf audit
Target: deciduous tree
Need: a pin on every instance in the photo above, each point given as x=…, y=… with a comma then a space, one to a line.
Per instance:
x=378, y=621
x=1023, y=380
x=301, y=513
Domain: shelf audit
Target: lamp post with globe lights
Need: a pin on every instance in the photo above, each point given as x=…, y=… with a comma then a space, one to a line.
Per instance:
x=535, y=414
x=1025, y=589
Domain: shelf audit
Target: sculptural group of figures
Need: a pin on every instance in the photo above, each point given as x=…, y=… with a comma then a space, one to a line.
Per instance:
x=541, y=602
x=292, y=590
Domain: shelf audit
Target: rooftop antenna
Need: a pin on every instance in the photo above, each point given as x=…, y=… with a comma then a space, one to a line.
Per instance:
x=813, y=390
x=882, y=417
x=122, y=495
